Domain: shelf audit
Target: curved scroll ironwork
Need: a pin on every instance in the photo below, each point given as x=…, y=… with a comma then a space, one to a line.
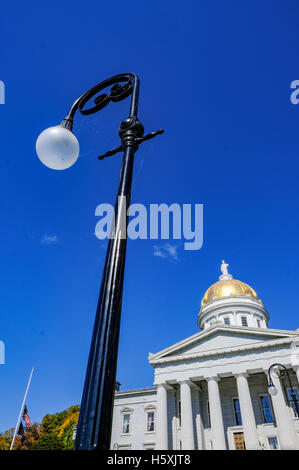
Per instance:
x=122, y=86
x=280, y=372
x=118, y=92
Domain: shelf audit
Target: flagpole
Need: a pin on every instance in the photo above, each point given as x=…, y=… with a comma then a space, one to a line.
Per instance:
x=21, y=410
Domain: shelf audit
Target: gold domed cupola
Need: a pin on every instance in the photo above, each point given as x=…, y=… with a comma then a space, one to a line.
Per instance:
x=235, y=298
x=227, y=287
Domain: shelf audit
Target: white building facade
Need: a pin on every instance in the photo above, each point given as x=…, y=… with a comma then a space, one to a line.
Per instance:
x=211, y=390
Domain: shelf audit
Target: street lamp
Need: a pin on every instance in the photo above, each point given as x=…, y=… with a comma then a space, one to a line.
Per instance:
x=58, y=148
x=282, y=371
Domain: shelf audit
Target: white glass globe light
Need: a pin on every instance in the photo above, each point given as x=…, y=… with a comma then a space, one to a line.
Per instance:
x=57, y=148
x=272, y=390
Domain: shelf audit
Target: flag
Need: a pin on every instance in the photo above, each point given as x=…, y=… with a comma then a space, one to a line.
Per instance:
x=26, y=418
x=21, y=432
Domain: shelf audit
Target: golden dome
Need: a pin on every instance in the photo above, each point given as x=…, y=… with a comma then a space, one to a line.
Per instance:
x=228, y=288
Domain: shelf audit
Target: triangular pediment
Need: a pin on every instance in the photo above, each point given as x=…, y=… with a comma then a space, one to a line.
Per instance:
x=222, y=338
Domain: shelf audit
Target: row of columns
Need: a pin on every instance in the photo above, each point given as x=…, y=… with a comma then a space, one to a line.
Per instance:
x=286, y=432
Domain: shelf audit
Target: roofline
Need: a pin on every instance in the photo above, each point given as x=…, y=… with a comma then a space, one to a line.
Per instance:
x=223, y=351
x=202, y=334
x=136, y=391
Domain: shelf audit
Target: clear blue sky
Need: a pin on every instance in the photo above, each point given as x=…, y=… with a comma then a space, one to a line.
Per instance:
x=216, y=75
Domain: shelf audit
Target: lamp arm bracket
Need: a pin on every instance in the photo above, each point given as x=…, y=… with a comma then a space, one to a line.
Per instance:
x=138, y=141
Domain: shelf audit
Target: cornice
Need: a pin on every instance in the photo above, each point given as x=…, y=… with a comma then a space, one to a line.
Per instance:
x=222, y=352
x=222, y=328
x=139, y=391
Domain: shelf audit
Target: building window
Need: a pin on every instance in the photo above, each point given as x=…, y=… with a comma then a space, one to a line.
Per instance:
x=149, y=446
x=237, y=411
x=208, y=415
x=244, y=321
x=126, y=423
x=124, y=447
x=266, y=409
x=150, y=422
x=258, y=322
x=226, y=321
x=292, y=403
x=273, y=443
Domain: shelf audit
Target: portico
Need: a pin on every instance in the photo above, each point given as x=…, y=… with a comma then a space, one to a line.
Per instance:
x=219, y=428
x=212, y=388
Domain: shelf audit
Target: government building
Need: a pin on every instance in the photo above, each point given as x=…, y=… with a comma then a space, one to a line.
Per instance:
x=211, y=390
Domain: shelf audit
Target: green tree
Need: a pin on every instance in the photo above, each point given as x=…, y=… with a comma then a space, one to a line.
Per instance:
x=48, y=442
x=4, y=442
x=56, y=432
x=6, y=438
x=66, y=430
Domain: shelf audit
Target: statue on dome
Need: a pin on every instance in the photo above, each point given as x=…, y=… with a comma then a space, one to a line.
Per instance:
x=224, y=266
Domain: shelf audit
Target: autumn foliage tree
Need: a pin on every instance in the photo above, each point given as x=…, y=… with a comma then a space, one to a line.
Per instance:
x=56, y=432
x=5, y=439
x=30, y=438
x=67, y=429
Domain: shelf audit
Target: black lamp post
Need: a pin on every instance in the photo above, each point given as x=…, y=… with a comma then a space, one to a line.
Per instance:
x=282, y=371
x=58, y=148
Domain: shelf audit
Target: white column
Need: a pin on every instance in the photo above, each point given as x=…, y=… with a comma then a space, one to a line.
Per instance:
x=286, y=432
x=216, y=418
x=186, y=416
x=199, y=422
x=248, y=419
x=162, y=421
